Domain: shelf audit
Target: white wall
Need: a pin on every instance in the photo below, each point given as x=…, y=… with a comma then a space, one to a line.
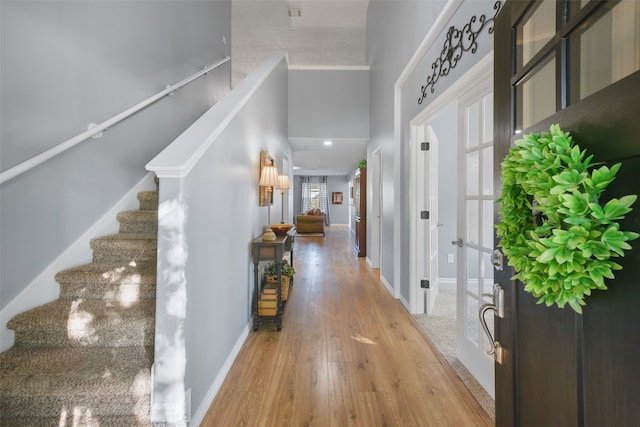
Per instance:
x=329, y=104
x=65, y=64
x=394, y=32
x=261, y=27
x=208, y=217
x=339, y=213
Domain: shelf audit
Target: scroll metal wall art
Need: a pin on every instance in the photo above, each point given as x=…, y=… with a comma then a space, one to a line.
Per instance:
x=456, y=44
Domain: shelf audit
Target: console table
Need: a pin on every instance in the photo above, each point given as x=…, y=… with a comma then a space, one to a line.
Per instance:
x=270, y=251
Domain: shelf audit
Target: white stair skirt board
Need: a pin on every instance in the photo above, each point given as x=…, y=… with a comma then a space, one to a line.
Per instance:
x=44, y=289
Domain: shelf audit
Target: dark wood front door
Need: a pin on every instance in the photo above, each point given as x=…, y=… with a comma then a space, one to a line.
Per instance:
x=565, y=62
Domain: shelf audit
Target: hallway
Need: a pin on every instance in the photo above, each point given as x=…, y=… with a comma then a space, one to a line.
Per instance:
x=348, y=354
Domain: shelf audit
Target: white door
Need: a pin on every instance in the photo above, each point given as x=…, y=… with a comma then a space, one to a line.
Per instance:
x=427, y=218
x=475, y=231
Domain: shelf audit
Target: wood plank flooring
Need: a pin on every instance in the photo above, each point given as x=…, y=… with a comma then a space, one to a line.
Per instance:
x=348, y=355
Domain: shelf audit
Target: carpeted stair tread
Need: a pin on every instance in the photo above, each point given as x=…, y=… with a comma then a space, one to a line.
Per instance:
x=148, y=200
x=138, y=221
x=128, y=247
x=70, y=420
x=106, y=384
x=108, y=280
x=106, y=381
x=122, y=404
x=23, y=361
x=90, y=322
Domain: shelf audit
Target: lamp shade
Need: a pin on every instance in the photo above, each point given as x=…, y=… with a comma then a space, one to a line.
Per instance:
x=269, y=176
x=283, y=182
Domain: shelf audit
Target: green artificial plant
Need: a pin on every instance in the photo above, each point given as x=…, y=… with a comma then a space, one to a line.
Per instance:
x=287, y=269
x=558, y=237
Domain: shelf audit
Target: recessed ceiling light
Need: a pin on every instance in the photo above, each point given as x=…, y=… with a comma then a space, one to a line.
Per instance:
x=328, y=143
x=297, y=167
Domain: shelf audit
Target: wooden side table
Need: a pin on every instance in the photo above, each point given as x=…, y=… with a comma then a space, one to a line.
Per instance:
x=270, y=251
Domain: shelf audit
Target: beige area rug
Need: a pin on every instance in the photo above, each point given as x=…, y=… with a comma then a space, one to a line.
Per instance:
x=440, y=327
x=309, y=234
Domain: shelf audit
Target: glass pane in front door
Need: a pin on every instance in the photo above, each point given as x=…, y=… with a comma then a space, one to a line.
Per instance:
x=536, y=95
x=609, y=49
x=537, y=30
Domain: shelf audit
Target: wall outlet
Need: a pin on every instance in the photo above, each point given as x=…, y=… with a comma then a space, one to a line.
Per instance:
x=450, y=258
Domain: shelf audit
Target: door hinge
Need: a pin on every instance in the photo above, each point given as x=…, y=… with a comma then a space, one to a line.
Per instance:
x=424, y=214
x=424, y=146
x=424, y=284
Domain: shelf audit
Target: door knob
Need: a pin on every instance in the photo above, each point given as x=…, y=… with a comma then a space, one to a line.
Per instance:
x=457, y=242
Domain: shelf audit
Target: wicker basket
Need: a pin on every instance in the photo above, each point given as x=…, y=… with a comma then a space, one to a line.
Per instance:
x=272, y=281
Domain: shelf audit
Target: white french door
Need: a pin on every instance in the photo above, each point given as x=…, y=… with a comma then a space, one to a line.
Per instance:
x=475, y=230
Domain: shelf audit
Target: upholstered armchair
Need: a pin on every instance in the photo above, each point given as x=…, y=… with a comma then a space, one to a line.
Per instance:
x=310, y=222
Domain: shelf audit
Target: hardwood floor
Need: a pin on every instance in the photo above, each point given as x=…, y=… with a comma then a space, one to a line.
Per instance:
x=348, y=355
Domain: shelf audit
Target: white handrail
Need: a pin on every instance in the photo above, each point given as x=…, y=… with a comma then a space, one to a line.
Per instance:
x=64, y=146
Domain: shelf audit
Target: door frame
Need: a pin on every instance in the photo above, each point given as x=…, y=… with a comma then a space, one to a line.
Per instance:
x=482, y=70
x=419, y=202
x=376, y=208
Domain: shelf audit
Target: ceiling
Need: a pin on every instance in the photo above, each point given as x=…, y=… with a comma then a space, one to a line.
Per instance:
x=315, y=34
x=313, y=157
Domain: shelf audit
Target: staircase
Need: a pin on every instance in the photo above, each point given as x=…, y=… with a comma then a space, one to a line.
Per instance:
x=85, y=359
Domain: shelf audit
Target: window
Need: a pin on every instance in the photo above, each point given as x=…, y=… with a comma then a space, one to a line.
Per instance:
x=315, y=195
x=600, y=41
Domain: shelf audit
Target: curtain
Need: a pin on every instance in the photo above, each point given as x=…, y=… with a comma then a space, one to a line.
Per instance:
x=305, y=194
x=324, y=200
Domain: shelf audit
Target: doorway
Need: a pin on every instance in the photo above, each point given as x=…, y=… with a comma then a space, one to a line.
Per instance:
x=459, y=274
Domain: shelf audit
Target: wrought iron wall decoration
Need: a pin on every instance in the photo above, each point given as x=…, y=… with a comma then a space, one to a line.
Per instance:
x=455, y=45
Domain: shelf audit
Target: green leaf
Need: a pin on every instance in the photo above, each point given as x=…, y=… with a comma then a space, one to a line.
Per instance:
x=575, y=305
x=547, y=255
x=617, y=208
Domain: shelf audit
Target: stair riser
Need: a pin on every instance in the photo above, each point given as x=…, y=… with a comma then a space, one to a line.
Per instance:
x=139, y=227
x=59, y=408
x=148, y=201
x=120, y=251
x=144, y=222
x=119, y=292
x=124, y=421
x=139, y=333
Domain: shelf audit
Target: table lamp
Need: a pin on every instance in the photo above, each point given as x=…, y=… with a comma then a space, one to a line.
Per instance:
x=283, y=184
x=269, y=179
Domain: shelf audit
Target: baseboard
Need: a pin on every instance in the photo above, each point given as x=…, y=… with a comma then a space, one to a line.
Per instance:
x=405, y=303
x=388, y=286
x=44, y=289
x=201, y=412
